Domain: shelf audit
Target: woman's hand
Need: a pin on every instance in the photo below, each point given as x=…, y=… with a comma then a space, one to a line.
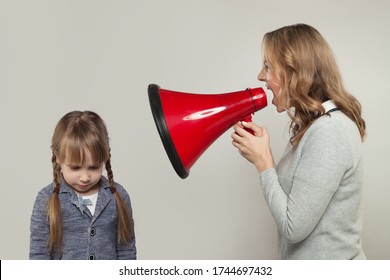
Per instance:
x=255, y=148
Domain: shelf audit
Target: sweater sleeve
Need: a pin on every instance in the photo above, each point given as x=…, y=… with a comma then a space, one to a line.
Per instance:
x=321, y=166
x=39, y=229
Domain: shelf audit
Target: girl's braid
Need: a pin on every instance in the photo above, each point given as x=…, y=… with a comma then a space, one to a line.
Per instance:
x=54, y=210
x=110, y=175
x=56, y=173
x=125, y=221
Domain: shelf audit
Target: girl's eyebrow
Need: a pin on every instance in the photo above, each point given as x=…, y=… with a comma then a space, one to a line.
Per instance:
x=96, y=164
x=73, y=166
x=70, y=164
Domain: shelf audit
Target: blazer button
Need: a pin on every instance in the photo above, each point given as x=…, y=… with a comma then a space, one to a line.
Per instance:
x=91, y=257
x=92, y=231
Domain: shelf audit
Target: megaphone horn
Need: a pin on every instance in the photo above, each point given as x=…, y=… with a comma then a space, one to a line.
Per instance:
x=189, y=123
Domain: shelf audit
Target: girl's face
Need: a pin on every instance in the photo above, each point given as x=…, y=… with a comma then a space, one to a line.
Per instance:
x=274, y=84
x=83, y=178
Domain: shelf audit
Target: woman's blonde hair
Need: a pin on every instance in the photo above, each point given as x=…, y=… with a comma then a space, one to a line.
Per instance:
x=76, y=134
x=304, y=63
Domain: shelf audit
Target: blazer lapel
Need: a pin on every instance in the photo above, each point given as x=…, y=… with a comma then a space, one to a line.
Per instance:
x=104, y=197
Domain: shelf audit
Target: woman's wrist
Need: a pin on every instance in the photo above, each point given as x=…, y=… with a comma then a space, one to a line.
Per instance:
x=265, y=162
x=261, y=166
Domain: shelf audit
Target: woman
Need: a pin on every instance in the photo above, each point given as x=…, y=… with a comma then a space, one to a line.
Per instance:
x=314, y=192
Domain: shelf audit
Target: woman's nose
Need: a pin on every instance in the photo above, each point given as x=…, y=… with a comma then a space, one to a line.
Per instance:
x=261, y=77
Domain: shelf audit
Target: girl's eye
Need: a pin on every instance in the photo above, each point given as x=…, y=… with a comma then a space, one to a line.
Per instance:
x=74, y=168
x=94, y=167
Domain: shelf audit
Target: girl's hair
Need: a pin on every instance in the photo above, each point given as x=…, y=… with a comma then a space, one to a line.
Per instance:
x=304, y=63
x=76, y=134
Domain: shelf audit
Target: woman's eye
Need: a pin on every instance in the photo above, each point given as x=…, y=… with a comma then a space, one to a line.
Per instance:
x=266, y=66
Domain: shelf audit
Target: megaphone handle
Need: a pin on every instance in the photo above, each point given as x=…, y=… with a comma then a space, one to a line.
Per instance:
x=248, y=119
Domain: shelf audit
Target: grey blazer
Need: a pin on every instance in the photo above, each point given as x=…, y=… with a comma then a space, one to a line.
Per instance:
x=84, y=236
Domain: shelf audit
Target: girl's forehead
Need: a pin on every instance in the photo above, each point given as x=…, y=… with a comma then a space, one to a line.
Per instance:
x=80, y=156
x=76, y=150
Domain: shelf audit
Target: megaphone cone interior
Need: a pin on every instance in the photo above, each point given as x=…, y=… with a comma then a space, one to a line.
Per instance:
x=189, y=123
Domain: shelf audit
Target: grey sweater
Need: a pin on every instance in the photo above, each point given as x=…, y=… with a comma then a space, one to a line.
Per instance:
x=314, y=193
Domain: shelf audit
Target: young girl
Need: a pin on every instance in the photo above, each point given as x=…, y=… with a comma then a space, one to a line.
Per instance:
x=82, y=214
x=314, y=192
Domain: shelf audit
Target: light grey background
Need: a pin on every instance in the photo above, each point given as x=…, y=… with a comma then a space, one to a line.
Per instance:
x=58, y=56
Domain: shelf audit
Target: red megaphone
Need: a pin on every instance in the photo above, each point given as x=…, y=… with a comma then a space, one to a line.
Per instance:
x=189, y=123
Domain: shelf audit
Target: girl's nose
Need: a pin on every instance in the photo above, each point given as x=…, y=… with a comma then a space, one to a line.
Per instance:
x=85, y=177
